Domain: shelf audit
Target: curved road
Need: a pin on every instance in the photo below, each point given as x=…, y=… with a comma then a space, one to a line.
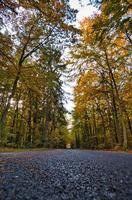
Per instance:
x=66, y=175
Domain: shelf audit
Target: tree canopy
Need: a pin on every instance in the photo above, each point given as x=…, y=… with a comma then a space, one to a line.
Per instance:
x=34, y=35
x=102, y=96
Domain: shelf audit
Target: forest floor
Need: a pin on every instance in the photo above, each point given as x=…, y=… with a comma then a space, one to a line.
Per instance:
x=66, y=175
x=9, y=149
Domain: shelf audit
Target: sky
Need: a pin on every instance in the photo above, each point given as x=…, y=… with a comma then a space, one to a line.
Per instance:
x=84, y=10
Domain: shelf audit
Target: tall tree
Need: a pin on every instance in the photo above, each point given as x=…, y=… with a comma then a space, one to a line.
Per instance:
x=109, y=59
x=33, y=32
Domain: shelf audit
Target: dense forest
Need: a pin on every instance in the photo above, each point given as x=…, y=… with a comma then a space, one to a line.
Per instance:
x=33, y=38
x=103, y=94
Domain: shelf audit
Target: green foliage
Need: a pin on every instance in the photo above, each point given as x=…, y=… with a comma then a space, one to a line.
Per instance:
x=31, y=96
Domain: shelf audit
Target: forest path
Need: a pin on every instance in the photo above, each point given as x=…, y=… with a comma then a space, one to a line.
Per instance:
x=66, y=175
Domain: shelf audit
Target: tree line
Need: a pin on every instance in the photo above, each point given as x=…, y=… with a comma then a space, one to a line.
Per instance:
x=33, y=36
x=102, y=96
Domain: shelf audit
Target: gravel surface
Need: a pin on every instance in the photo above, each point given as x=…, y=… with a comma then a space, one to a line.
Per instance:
x=66, y=175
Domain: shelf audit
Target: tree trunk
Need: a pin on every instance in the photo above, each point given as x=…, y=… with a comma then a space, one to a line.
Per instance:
x=119, y=102
x=95, y=128
x=7, y=107
x=110, y=125
x=103, y=124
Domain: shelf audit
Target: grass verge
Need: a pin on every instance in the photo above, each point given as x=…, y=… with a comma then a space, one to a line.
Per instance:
x=9, y=150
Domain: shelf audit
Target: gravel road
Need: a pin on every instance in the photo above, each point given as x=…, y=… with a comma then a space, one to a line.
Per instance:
x=66, y=175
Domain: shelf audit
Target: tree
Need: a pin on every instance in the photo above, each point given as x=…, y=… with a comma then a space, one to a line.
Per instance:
x=109, y=61
x=33, y=32
x=115, y=17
